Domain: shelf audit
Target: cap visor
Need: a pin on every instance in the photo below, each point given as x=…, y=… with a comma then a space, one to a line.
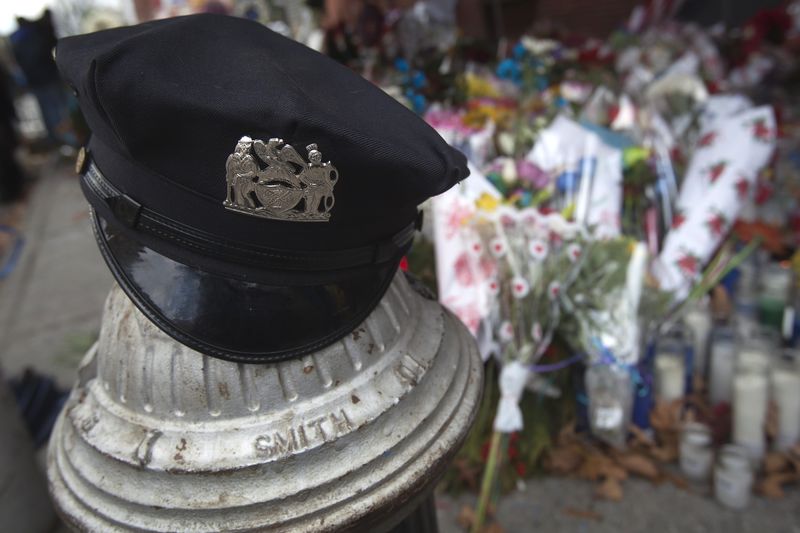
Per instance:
x=240, y=320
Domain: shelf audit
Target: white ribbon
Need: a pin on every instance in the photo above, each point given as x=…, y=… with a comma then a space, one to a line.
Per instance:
x=513, y=378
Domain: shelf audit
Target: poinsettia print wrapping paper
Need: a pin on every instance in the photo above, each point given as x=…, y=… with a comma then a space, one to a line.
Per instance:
x=462, y=268
x=730, y=152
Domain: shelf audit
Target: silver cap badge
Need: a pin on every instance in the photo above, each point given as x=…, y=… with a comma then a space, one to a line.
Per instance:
x=271, y=180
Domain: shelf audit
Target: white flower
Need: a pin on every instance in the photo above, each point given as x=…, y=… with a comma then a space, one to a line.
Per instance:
x=497, y=247
x=574, y=252
x=554, y=290
x=493, y=286
x=536, y=332
x=506, y=332
x=476, y=248
x=538, y=249
x=519, y=287
x=509, y=171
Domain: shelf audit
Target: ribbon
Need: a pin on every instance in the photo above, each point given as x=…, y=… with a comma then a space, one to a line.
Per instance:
x=513, y=378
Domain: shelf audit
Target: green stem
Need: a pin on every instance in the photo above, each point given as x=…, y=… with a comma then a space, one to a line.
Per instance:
x=706, y=285
x=487, y=485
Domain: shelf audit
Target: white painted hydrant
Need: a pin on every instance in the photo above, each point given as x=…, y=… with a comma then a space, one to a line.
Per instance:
x=158, y=437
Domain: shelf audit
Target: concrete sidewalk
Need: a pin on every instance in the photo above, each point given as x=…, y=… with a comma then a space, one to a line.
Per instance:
x=50, y=304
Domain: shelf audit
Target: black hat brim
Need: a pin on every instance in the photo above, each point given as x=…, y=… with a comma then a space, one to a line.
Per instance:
x=234, y=319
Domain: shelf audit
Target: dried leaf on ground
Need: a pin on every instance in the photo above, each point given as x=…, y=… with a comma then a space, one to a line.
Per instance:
x=665, y=454
x=677, y=480
x=640, y=437
x=615, y=472
x=665, y=416
x=794, y=457
x=639, y=465
x=610, y=489
x=772, y=485
x=597, y=466
x=466, y=517
x=776, y=462
x=564, y=460
x=592, y=467
x=567, y=434
x=467, y=473
x=583, y=513
x=494, y=527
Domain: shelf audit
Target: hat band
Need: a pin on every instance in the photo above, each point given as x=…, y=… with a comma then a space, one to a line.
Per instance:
x=116, y=206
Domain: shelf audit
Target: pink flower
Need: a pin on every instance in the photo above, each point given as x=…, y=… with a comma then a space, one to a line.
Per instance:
x=494, y=287
x=476, y=248
x=574, y=252
x=531, y=173
x=497, y=247
x=538, y=249
x=554, y=289
x=519, y=287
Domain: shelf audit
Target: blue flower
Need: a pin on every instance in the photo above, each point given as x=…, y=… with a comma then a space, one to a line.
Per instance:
x=401, y=64
x=508, y=69
x=519, y=51
x=419, y=103
x=418, y=80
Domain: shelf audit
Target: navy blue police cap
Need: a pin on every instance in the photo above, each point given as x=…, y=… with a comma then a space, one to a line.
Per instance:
x=250, y=195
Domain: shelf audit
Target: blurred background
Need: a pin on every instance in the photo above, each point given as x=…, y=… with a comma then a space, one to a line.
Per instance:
x=639, y=159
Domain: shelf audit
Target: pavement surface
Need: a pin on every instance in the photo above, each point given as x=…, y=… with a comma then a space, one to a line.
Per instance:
x=50, y=314
x=50, y=304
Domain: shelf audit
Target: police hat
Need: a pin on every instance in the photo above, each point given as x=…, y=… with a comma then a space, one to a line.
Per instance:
x=251, y=196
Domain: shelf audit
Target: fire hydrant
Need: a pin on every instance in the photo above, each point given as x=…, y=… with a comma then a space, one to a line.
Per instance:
x=158, y=437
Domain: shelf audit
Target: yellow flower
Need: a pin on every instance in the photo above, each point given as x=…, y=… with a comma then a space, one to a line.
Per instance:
x=478, y=87
x=634, y=154
x=487, y=202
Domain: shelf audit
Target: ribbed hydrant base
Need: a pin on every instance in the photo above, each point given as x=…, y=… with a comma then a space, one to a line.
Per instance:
x=158, y=437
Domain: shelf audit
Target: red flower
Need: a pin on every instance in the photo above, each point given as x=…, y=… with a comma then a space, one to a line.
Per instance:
x=678, y=219
x=707, y=139
x=716, y=224
x=715, y=171
x=763, y=192
x=761, y=131
x=688, y=264
x=404, y=264
x=742, y=187
x=520, y=467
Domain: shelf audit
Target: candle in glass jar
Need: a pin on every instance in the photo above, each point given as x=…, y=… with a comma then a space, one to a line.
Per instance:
x=695, y=451
x=732, y=477
x=786, y=394
x=723, y=359
x=670, y=376
x=699, y=323
x=750, y=396
x=753, y=357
